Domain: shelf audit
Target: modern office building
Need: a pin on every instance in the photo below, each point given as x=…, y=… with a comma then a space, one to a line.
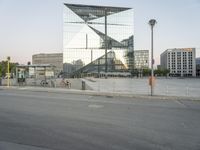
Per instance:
x=198, y=67
x=115, y=67
x=91, y=32
x=141, y=58
x=55, y=59
x=180, y=61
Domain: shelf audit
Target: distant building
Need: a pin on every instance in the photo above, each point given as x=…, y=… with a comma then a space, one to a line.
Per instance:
x=180, y=61
x=55, y=59
x=198, y=67
x=141, y=58
x=159, y=67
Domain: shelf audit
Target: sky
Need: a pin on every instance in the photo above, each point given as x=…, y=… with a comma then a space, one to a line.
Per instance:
x=29, y=27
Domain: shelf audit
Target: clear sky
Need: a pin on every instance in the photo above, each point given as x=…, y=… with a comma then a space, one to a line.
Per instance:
x=35, y=26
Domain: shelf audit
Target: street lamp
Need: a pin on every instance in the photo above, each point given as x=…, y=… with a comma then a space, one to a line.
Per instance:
x=8, y=69
x=152, y=23
x=106, y=46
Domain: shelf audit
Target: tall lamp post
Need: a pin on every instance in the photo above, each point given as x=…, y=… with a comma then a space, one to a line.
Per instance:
x=8, y=69
x=106, y=44
x=152, y=23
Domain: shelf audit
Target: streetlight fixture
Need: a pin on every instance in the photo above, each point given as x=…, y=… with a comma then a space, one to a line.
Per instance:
x=8, y=69
x=152, y=23
x=106, y=46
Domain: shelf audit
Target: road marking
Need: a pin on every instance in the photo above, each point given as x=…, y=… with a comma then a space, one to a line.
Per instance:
x=22, y=88
x=181, y=103
x=95, y=106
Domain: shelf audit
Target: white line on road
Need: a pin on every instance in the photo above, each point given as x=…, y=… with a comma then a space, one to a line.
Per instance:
x=95, y=106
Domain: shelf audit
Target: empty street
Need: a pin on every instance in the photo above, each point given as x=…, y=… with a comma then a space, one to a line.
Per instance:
x=39, y=120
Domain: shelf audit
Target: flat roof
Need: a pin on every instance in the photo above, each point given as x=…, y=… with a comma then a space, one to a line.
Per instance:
x=36, y=65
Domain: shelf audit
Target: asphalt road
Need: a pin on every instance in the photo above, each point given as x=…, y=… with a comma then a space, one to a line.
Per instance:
x=58, y=121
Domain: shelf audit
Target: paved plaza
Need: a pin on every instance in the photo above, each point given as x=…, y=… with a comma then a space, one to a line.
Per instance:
x=163, y=86
x=178, y=87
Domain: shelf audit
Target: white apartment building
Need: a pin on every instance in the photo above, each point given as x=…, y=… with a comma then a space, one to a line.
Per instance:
x=141, y=58
x=180, y=61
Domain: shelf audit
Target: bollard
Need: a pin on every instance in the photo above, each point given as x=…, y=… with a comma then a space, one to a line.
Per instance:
x=83, y=85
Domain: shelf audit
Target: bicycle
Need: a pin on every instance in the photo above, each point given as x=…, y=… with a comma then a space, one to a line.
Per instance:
x=65, y=83
x=44, y=83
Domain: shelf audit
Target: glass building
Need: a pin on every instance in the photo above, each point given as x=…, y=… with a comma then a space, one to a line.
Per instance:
x=97, y=39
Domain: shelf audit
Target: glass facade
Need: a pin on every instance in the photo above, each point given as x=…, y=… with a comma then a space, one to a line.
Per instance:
x=91, y=31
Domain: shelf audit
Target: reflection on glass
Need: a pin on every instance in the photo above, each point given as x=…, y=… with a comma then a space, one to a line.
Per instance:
x=84, y=38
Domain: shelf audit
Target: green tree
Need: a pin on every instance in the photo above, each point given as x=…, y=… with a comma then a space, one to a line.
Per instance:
x=161, y=72
x=146, y=72
x=3, y=68
x=0, y=70
x=158, y=72
x=166, y=72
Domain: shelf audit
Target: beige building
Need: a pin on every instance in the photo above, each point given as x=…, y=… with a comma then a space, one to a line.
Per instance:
x=180, y=61
x=55, y=59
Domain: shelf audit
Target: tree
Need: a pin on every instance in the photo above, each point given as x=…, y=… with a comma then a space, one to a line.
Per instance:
x=146, y=72
x=0, y=70
x=161, y=72
x=166, y=72
x=3, y=68
x=158, y=72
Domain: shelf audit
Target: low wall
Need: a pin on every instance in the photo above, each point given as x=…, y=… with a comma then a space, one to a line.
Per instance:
x=75, y=83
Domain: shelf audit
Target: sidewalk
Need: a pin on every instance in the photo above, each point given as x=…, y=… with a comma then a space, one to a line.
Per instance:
x=140, y=86
x=95, y=93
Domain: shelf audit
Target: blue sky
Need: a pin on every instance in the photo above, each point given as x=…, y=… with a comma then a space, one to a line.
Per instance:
x=35, y=26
